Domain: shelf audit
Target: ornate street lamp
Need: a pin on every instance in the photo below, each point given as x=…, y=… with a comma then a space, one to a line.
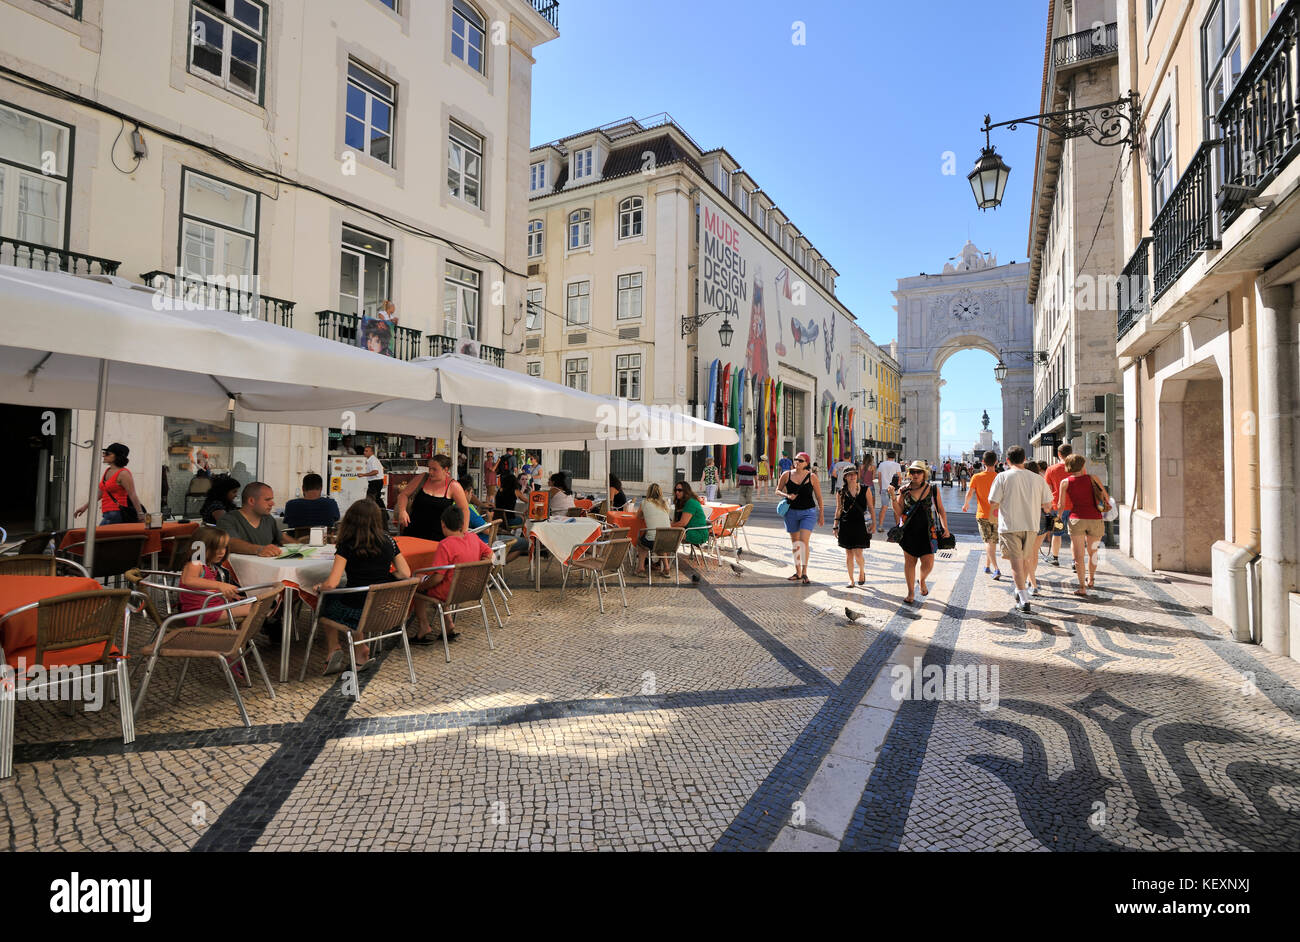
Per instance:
x=1000, y=371
x=1108, y=124
x=725, y=332
x=690, y=324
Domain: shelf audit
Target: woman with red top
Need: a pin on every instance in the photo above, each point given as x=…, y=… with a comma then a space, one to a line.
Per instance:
x=1080, y=494
x=116, y=487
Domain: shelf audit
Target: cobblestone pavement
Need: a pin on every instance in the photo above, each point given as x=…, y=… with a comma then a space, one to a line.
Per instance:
x=741, y=712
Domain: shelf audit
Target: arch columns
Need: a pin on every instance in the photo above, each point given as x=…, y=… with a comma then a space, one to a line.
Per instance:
x=922, y=413
x=1017, y=393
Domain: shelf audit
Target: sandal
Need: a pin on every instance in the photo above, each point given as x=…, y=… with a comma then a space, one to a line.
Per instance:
x=805, y=580
x=909, y=600
x=335, y=663
x=794, y=578
x=862, y=582
x=1082, y=593
x=853, y=585
x=925, y=590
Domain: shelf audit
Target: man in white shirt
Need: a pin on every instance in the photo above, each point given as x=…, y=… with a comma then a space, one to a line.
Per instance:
x=374, y=474
x=837, y=472
x=886, y=471
x=1019, y=497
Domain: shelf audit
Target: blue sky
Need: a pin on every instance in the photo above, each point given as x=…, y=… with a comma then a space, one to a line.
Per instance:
x=847, y=132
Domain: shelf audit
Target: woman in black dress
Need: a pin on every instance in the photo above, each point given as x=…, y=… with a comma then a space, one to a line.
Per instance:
x=421, y=503
x=915, y=504
x=855, y=507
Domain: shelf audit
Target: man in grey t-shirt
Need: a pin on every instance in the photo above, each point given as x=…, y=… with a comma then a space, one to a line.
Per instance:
x=252, y=529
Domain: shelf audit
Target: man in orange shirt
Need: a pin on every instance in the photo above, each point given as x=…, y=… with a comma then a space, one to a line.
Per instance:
x=980, y=485
x=1054, y=476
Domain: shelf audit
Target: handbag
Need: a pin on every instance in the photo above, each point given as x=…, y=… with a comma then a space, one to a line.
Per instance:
x=1099, y=495
x=783, y=506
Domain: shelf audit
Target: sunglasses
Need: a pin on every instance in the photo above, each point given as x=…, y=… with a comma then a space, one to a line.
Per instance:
x=918, y=471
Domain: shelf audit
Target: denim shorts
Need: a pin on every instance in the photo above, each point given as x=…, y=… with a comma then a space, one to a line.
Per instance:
x=110, y=518
x=796, y=520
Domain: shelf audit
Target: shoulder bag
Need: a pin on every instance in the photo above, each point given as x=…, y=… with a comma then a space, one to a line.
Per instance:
x=783, y=505
x=127, y=510
x=895, y=534
x=1099, y=497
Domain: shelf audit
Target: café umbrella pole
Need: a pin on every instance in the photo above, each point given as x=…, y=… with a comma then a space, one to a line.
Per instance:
x=92, y=502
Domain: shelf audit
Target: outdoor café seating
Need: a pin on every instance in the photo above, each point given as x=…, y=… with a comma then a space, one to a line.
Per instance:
x=468, y=586
x=606, y=563
x=667, y=542
x=115, y=556
x=383, y=616
x=38, y=564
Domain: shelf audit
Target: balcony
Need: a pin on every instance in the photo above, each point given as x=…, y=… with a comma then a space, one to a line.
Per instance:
x=403, y=343
x=440, y=344
x=1185, y=226
x=1055, y=407
x=1133, y=289
x=220, y=292
x=45, y=258
x=1083, y=46
x=1258, y=119
x=550, y=11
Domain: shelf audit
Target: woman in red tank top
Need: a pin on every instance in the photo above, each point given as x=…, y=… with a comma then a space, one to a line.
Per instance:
x=1078, y=496
x=116, y=486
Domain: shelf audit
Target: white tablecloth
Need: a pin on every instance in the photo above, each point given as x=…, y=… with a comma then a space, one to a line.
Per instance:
x=307, y=573
x=561, y=535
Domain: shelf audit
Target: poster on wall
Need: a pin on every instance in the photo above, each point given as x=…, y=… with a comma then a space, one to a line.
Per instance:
x=784, y=319
x=346, y=484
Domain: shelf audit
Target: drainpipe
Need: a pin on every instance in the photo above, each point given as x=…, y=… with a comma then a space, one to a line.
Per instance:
x=1276, y=370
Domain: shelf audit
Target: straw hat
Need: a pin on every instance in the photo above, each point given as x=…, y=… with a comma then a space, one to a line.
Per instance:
x=919, y=466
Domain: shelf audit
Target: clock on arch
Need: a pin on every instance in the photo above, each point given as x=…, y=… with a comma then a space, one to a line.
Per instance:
x=966, y=307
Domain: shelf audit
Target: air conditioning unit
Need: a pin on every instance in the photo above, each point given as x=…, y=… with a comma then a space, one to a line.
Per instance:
x=532, y=343
x=629, y=333
x=534, y=268
x=469, y=348
x=576, y=338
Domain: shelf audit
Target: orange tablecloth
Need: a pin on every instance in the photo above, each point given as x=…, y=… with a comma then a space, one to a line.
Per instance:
x=418, y=553
x=17, y=591
x=635, y=523
x=717, y=511
x=153, y=538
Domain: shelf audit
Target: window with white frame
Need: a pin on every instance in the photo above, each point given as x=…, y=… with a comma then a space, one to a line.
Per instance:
x=582, y=164
x=1221, y=56
x=227, y=42
x=627, y=376
x=629, y=296
x=536, y=237
x=537, y=176
x=534, y=314
x=575, y=373
x=34, y=158
x=743, y=198
x=580, y=229
x=464, y=164
x=460, y=300
x=218, y=228
x=468, y=27
x=723, y=178
x=371, y=104
x=1162, y=160
x=630, y=213
x=577, y=304
x=762, y=218
x=535, y=368
x=364, y=269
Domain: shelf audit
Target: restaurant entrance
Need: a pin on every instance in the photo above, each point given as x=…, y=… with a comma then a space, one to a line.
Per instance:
x=34, y=494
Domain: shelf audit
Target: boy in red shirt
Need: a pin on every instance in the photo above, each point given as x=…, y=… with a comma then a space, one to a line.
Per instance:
x=459, y=547
x=1054, y=476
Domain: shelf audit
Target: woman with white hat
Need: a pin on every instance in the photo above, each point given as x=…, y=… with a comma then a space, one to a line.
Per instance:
x=915, y=504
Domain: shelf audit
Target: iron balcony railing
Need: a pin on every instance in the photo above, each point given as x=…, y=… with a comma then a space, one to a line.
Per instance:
x=1133, y=290
x=550, y=11
x=441, y=343
x=1086, y=44
x=1258, y=121
x=1185, y=226
x=22, y=254
x=403, y=343
x=221, y=293
x=1055, y=406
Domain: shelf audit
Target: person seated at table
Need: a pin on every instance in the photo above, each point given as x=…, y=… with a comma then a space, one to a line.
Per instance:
x=253, y=531
x=467, y=485
x=456, y=546
x=518, y=545
x=421, y=503
x=116, y=488
x=617, y=499
x=654, y=511
x=366, y=555
x=311, y=509
x=221, y=499
x=690, y=514
x=561, y=497
x=507, y=499
x=204, y=574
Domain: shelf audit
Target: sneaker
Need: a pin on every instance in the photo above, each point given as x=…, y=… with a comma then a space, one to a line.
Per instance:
x=987, y=570
x=997, y=574
x=1024, y=607
x=1033, y=590
x=1056, y=560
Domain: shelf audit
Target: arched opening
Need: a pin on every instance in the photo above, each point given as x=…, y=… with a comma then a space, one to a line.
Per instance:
x=1190, y=519
x=968, y=390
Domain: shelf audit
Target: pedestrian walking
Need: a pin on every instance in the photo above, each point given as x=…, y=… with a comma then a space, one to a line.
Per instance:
x=889, y=473
x=745, y=475
x=985, y=517
x=803, y=491
x=785, y=464
x=709, y=480
x=1046, y=522
x=1085, y=499
x=1054, y=476
x=117, y=498
x=917, y=506
x=855, y=518
x=764, y=475
x=1020, y=497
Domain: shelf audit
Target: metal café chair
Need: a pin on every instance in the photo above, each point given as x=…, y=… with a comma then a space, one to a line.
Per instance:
x=73, y=629
x=727, y=531
x=742, y=525
x=383, y=616
x=35, y=543
x=38, y=565
x=488, y=532
x=115, y=556
x=701, y=550
x=177, y=640
x=468, y=586
x=605, y=565
x=667, y=542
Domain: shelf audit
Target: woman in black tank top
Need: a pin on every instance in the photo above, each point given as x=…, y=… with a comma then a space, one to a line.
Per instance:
x=421, y=503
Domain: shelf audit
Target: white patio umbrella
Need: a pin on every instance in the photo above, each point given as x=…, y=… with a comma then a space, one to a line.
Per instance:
x=102, y=343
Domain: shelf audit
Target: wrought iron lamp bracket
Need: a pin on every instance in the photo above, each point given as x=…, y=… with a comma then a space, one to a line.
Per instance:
x=1109, y=124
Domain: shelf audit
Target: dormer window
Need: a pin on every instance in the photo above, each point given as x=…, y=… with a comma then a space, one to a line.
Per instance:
x=582, y=164
x=537, y=177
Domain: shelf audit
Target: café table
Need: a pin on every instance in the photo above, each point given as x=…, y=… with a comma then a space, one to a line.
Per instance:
x=634, y=523
x=716, y=512
x=418, y=553
x=17, y=591
x=563, y=536
x=304, y=573
x=154, y=536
